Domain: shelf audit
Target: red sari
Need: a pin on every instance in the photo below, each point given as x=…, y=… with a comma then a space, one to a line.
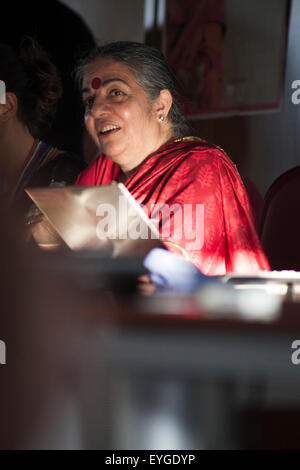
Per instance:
x=199, y=178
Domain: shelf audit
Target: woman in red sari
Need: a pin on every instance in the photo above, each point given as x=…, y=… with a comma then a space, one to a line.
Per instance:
x=133, y=115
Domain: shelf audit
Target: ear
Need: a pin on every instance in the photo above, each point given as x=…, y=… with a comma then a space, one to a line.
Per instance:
x=163, y=104
x=10, y=108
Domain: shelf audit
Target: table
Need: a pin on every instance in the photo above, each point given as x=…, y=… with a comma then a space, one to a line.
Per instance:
x=170, y=381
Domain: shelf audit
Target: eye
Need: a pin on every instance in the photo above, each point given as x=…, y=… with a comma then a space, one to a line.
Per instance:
x=116, y=93
x=88, y=102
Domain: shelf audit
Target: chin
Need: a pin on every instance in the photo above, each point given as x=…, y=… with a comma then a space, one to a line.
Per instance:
x=116, y=159
x=116, y=155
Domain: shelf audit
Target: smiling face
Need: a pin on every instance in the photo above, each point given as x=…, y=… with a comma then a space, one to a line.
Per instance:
x=119, y=116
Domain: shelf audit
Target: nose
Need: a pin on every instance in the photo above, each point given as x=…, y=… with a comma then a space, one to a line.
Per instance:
x=100, y=107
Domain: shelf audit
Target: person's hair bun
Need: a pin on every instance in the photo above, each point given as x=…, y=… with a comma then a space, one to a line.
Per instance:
x=43, y=90
x=30, y=75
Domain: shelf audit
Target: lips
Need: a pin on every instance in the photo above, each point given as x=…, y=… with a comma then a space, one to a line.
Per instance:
x=108, y=129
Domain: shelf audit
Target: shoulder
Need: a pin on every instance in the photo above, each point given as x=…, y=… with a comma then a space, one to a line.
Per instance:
x=200, y=164
x=208, y=166
x=196, y=152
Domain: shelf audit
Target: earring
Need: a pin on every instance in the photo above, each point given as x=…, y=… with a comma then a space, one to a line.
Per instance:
x=161, y=119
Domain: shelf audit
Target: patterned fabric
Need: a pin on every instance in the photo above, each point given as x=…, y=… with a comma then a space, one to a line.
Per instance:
x=44, y=166
x=40, y=154
x=191, y=173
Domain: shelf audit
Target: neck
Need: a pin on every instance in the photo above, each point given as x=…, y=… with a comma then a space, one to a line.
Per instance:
x=15, y=146
x=167, y=137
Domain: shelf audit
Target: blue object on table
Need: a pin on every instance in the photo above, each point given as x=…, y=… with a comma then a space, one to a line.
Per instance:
x=171, y=273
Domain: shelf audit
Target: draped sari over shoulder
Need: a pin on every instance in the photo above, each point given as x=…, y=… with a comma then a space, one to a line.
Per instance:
x=193, y=191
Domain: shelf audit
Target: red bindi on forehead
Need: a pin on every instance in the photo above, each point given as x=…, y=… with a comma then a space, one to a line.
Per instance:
x=96, y=83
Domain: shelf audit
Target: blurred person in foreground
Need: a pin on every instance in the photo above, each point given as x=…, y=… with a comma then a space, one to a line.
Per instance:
x=42, y=325
x=132, y=113
x=32, y=90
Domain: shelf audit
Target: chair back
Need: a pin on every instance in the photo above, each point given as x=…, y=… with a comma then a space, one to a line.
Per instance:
x=280, y=222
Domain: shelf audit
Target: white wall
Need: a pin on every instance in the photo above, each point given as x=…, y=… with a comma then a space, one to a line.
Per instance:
x=112, y=20
x=273, y=140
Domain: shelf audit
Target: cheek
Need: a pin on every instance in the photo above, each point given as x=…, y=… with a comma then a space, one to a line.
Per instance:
x=136, y=120
x=89, y=123
x=90, y=127
x=128, y=115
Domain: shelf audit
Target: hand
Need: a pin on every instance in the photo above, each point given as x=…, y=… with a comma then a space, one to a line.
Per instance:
x=41, y=230
x=33, y=216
